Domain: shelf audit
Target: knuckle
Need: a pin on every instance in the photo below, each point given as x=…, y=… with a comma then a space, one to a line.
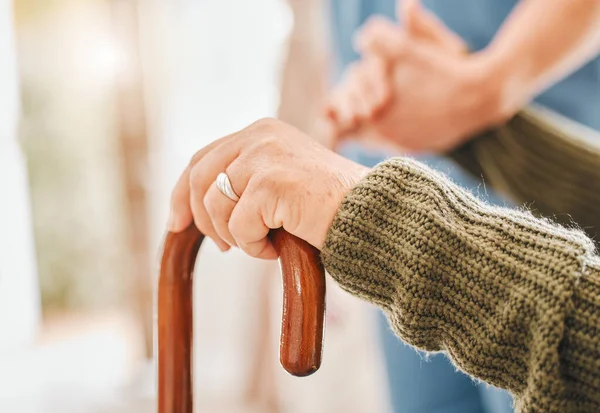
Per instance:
x=270, y=140
x=263, y=181
x=265, y=133
x=266, y=145
x=264, y=125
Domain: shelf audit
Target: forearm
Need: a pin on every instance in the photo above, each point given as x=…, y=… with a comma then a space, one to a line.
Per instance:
x=540, y=43
x=514, y=300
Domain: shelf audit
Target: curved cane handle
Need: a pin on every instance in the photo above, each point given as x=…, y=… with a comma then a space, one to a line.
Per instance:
x=302, y=321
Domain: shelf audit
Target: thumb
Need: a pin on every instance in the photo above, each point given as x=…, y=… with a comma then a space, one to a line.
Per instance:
x=421, y=23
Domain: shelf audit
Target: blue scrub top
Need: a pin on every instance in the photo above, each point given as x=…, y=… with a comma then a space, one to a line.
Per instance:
x=476, y=21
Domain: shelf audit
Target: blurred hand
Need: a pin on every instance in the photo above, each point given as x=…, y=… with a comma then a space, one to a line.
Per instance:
x=416, y=85
x=283, y=178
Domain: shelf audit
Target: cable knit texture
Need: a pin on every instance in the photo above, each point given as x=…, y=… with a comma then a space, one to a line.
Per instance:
x=514, y=300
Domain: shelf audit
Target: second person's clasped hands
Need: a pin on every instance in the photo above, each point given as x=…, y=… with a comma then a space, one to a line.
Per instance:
x=416, y=86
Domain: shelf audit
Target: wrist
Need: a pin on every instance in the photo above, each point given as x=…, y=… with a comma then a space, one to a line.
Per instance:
x=503, y=93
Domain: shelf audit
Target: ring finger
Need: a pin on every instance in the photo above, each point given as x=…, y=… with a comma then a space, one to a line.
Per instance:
x=219, y=208
x=202, y=176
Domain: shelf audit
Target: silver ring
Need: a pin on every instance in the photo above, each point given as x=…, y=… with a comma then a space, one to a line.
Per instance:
x=224, y=185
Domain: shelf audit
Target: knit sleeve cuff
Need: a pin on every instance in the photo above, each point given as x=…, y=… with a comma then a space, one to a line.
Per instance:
x=491, y=286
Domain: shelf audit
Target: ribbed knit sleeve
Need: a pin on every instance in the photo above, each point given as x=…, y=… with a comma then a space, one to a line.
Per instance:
x=514, y=300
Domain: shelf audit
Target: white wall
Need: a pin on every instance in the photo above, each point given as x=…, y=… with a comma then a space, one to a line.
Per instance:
x=216, y=64
x=19, y=295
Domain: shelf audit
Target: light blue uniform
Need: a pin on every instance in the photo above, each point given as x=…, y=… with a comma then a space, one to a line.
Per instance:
x=432, y=385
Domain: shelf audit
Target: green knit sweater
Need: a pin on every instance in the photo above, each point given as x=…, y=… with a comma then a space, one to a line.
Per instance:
x=514, y=300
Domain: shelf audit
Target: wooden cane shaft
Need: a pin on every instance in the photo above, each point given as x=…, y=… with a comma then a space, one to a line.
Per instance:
x=302, y=320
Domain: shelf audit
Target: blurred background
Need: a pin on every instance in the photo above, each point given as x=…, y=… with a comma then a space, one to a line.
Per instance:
x=102, y=103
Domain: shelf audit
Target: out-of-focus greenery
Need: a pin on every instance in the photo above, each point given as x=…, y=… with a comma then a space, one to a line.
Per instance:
x=78, y=262
x=68, y=134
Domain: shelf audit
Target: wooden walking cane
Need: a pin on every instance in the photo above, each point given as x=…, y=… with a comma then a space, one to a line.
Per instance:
x=302, y=322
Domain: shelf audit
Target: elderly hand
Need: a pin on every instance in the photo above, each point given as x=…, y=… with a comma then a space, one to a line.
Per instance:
x=416, y=85
x=283, y=179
